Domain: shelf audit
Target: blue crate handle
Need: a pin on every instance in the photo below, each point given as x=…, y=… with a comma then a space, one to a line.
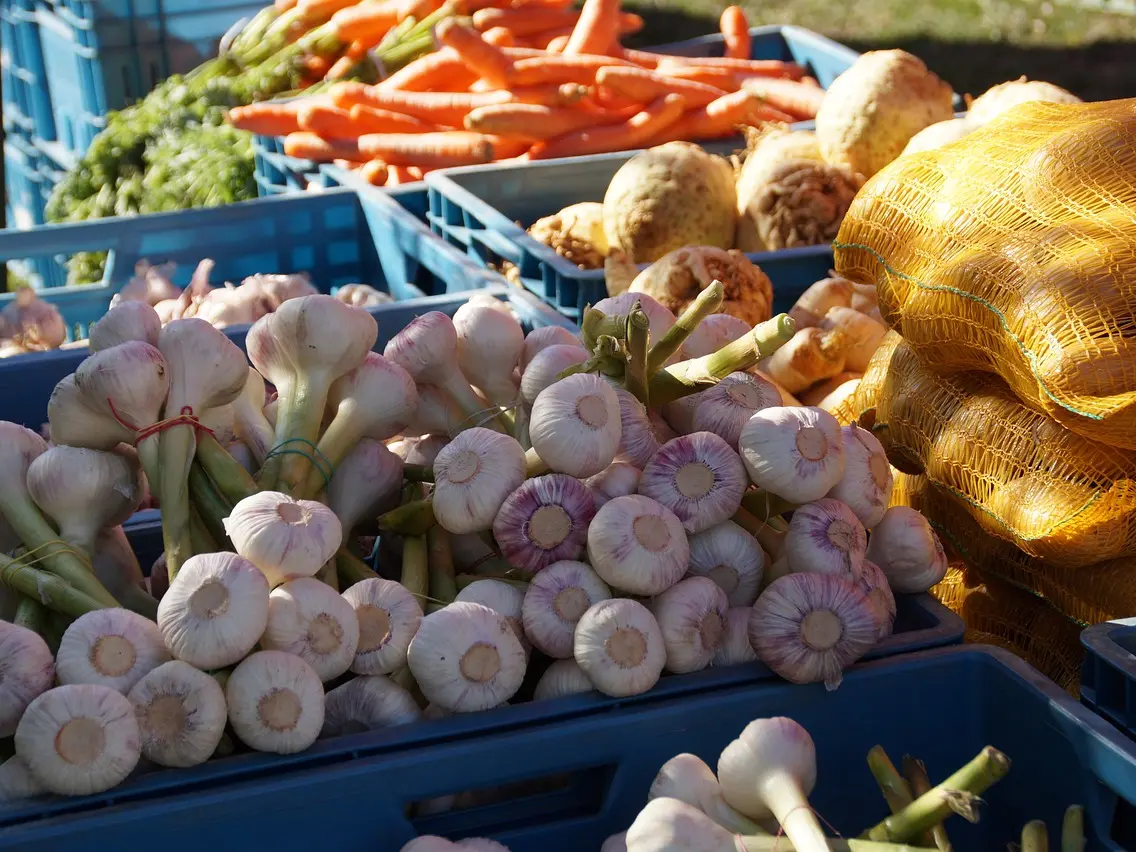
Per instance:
x=1108, y=672
x=499, y=244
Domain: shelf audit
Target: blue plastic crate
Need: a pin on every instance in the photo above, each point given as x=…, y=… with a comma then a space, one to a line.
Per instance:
x=22, y=51
x=1108, y=672
x=279, y=174
x=21, y=173
x=568, y=783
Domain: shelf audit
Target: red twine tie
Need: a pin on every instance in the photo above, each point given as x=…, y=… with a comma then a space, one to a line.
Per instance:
x=185, y=418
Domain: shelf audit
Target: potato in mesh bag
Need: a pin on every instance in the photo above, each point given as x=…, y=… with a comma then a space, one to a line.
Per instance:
x=1020, y=475
x=1013, y=252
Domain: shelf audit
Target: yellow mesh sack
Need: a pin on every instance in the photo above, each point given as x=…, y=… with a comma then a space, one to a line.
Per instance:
x=1020, y=475
x=1013, y=251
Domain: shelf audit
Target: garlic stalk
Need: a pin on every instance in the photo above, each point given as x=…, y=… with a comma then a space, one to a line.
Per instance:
x=283, y=537
x=618, y=479
x=84, y=490
x=110, y=647
x=375, y=400
x=490, y=343
x=214, y=611
x=726, y=408
x=692, y=617
x=542, y=338
x=688, y=779
x=466, y=657
x=473, y=475
x=667, y=824
x=546, y=366
x=735, y=648
x=125, y=321
x=563, y=677
x=793, y=453
x=206, y=370
x=730, y=557
x=365, y=485
x=26, y=671
x=574, y=425
x=620, y=647
x=771, y=769
x=874, y=583
x=307, y=618
x=367, y=703
x=698, y=477
x=866, y=483
x=661, y=318
x=545, y=520
x=181, y=714
x=637, y=545
x=826, y=537
x=809, y=627
x=249, y=421
x=79, y=739
x=45, y=590
x=243, y=456
x=908, y=550
x=554, y=602
x=388, y=617
x=276, y=702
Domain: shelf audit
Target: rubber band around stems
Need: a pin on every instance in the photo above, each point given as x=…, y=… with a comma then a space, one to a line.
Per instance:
x=485, y=415
x=66, y=547
x=185, y=418
x=282, y=449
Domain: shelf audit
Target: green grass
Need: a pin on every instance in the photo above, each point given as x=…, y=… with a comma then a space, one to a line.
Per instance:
x=973, y=44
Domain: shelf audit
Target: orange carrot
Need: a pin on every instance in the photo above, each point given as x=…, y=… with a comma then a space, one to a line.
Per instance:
x=368, y=21
x=318, y=11
x=371, y=120
x=558, y=44
x=481, y=57
x=550, y=94
x=556, y=68
x=631, y=133
x=543, y=39
x=798, y=100
x=522, y=52
x=721, y=78
x=629, y=23
x=267, y=119
x=597, y=30
x=529, y=121
x=317, y=66
x=330, y=122
x=735, y=32
x=756, y=67
x=448, y=148
x=309, y=146
x=500, y=36
x=283, y=6
x=374, y=172
x=358, y=49
x=524, y=21
x=714, y=120
x=398, y=175
x=642, y=58
x=644, y=86
x=441, y=69
x=609, y=99
x=417, y=9
x=445, y=108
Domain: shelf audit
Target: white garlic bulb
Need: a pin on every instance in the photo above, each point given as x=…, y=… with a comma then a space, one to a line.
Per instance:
x=283, y=537
x=794, y=453
x=574, y=425
x=692, y=617
x=307, y=618
x=388, y=617
x=546, y=366
x=618, y=479
x=620, y=647
x=698, y=477
x=181, y=714
x=735, y=648
x=637, y=545
x=826, y=537
x=867, y=481
x=725, y=408
x=874, y=583
x=473, y=474
x=545, y=520
x=26, y=671
x=554, y=602
x=17, y=781
x=907, y=549
x=730, y=557
x=110, y=647
x=275, y=702
x=563, y=677
x=367, y=703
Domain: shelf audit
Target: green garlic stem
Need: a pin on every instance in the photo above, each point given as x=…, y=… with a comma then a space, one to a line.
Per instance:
x=705, y=303
x=781, y=844
x=329, y=573
x=139, y=600
x=415, y=567
x=989, y=767
x=50, y=590
x=177, y=449
x=210, y=505
x=638, y=340
x=32, y=614
x=417, y=473
x=534, y=464
x=765, y=506
x=916, y=774
x=896, y=792
x=231, y=479
x=771, y=539
x=302, y=427
x=350, y=568
x=1035, y=837
x=200, y=539
x=1073, y=829
x=442, y=587
x=412, y=519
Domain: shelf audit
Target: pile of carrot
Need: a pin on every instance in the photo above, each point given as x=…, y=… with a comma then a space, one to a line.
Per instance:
x=528, y=80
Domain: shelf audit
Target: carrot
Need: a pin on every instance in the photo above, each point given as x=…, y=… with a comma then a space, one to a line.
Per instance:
x=721, y=78
x=368, y=21
x=309, y=146
x=500, y=36
x=798, y=100
x=417, y=9
x=529, y=121
x=398, y=175
x=330, y=122
x=644, y=86
x=556, y=68
x=445, y=108
x=597, y=30
x=374, y=172
x=756, y=67
x=283, y=6
x=317, y=66
x=371, y=120
x=550, y=94
x=481, y=57
x=558, y=44
x=441, y=69
x=522, y=52
x=318, y=11
x=608, y=99
x=267, y=119
x=715, y=120
x=631, y=133
x=524, y=21
x=447, y=148
x=543, y=39
x=735, y=32
x=642, y=58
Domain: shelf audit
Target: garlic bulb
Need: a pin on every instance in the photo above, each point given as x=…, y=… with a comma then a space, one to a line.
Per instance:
x=730, y=557
x=17, y=782
x=26, y=670
x=867, y=480
x=637, y=545
x=618, y=479
x=615, y=843
x=620, y=647
x=307, y=618
x=660, y=317
x=125, y=321
x=214, y=611
x=692, y=617
x=181, y=714
x=575, y=425
x=688, y=779
x=638, y=442
x=366, y=483
x=367, y=703
x=714, y=332
x=423, y=450
x=283, y=537
x=554, y=602
x=794, y=453
x=907, y=549
x=541, y=338
x=666, y=825
x=490, y=342
x=563, y=677
x=809, y=627
x=466, y=657
x=437, y=414
x=503, y=598
x=735, y=648
x=725, y=408
x=275, y=702
x=546, y=366
x=109, y=647
x=874, y=583
x=388, y=617
x=79, y=739
x=698, y=477
x=544, y=520
x=473, y=475
x=826, y=537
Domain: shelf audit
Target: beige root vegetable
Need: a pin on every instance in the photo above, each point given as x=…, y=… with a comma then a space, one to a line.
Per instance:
x=939, y=134
x=872, y=110
x=576, y=233
x=668, y=197
x=863, y=332
x=812, y=355
x=819, y=298
x=1005, y=96
x=675, y=279
x=32, y=323
x=619, y=272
